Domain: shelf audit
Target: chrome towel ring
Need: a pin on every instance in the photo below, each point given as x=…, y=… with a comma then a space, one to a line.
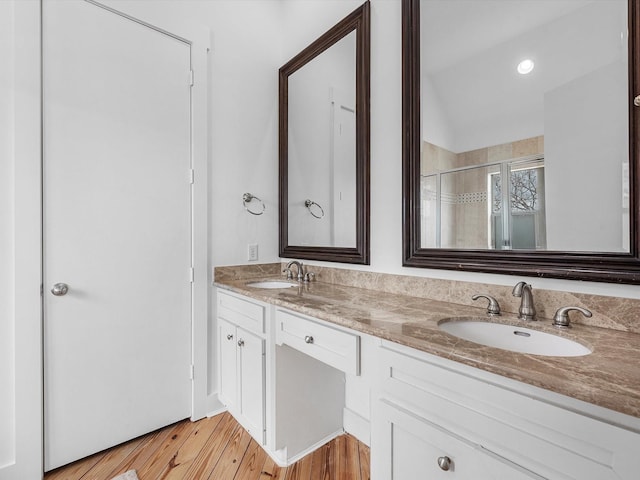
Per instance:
x=309, y=203
x=247, y=198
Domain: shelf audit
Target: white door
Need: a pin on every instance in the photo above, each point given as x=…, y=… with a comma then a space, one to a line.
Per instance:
x=116, y=229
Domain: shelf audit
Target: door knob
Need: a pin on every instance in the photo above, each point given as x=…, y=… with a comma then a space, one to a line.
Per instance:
x=60, y=289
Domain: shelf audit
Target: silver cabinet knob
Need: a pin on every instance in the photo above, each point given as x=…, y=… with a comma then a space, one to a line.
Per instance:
x=308, y=339
x=60, y=289
x=229, y=337
x=241, y=343
x=444, y=463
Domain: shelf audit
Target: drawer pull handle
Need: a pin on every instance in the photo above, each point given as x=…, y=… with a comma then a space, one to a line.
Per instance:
x=444, y=463
x=241, y=343
x=308, y=339
x=229, y=337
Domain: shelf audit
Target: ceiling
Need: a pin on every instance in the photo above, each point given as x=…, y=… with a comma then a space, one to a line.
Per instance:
x=470, y=50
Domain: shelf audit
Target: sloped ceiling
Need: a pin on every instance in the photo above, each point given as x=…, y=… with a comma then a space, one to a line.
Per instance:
x=470, y=50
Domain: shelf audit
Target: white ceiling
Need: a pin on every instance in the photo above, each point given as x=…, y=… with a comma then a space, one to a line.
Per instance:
x=470, y=50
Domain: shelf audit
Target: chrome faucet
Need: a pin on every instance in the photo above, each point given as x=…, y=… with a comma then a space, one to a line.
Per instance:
x=300, y=269
x=527, y=310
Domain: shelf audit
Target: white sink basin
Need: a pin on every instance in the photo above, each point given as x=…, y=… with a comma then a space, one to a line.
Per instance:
x=271, y=284
x=514, y=338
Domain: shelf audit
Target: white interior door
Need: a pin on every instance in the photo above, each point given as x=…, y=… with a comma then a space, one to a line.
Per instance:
x=116, y=229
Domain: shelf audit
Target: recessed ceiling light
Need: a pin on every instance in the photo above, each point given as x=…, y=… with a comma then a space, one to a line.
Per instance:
x=525, y=66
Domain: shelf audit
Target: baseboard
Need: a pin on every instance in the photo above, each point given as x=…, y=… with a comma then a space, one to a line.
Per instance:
x=214, y=405
x=357, y=425
x=280, y=456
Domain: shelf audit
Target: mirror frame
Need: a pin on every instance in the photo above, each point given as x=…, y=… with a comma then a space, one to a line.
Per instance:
x=358, y=21
x=591, y=266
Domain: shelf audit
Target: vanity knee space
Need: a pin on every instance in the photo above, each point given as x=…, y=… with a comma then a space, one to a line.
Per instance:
x=304, y=369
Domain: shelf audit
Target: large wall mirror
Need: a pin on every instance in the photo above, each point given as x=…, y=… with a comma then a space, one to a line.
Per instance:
x=520, y=147
x=324, y=146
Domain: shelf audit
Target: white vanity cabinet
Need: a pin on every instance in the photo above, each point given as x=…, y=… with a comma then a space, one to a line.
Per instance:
x=432, y=418
x=241, y=341
x=291, y=380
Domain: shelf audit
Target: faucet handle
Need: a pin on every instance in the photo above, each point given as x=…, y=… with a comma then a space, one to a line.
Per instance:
x=561, y=318
x=493, y=309
x=517, y=289
x=309, y=277
x=289, y=273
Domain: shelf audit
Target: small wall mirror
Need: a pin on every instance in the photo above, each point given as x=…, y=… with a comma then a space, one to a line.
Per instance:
x=324, y=146
x=521, y=154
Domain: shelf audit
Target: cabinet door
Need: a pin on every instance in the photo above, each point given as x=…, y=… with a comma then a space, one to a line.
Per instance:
x=408, y=447
x=251, y=375
x=228, y=370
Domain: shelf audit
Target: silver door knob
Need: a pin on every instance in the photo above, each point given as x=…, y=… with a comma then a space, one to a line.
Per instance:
x=444, y=463
x=308, y=339
x=60, y=289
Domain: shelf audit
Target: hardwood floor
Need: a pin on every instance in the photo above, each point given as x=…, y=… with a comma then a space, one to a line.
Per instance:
x=216, y=448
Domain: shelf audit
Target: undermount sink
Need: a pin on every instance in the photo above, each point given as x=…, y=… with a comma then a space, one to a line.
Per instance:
x=514, y=338
x=271, y=284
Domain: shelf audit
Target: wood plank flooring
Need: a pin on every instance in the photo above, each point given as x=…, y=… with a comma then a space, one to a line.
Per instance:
x=216, y=448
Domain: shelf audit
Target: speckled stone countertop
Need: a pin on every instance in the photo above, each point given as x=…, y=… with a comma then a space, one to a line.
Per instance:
x=608, y=377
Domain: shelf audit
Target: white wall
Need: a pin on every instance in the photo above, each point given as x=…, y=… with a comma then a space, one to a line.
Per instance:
x=7, y=314
x=586, y=170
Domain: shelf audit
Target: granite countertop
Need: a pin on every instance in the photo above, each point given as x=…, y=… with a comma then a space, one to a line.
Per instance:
x=608, y=377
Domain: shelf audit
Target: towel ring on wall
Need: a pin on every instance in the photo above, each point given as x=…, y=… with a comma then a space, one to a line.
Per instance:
x=247, y=198
x=309, y=203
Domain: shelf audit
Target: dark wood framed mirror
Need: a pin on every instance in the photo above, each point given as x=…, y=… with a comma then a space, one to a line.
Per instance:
x=428, y=248
x=324, y=146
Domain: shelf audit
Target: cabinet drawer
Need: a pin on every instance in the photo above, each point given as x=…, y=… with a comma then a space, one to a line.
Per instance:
x=241, y=312
x=409, y=447
x=334, y=347
x=553, y=441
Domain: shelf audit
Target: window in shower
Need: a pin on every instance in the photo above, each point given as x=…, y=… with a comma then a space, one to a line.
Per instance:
x=463, y=207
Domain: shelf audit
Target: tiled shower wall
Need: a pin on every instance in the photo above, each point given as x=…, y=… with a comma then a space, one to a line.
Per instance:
x=464, y=194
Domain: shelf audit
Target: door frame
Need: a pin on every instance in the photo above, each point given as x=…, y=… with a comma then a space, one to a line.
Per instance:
x=28, y=213
x=26, y=270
